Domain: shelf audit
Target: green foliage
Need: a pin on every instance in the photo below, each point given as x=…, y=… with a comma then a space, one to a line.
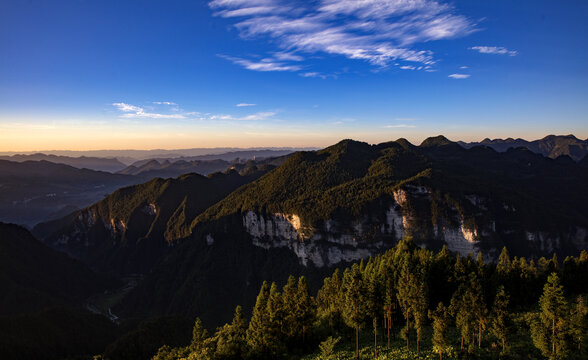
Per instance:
x=440, y=319
x=327, y=347
x=549, y=331
x=501, y=322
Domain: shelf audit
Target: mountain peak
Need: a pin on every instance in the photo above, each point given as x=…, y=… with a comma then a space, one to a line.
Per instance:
x=434, y=141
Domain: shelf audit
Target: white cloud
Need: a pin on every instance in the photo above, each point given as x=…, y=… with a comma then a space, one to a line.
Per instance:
x=266, y=64
x=132, y=111
x=408, y=67
x=376, y=31
x=499, y=50
x=463, y=67
x=253, y=117
x=244, y=104
x=164, y=103
x=400, y=126
x=459, y=76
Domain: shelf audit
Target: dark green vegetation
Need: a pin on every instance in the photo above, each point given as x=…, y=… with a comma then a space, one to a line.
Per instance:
x=553, y=146
x=34, y=191
x=166, y=169
x=515, y=309
x=131, y=229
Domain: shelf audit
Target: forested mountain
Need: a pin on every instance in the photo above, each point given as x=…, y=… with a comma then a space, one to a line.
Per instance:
x=551, y=146
x=352, y=200
x=34, y=191
x=83, y=162
x=134, y=227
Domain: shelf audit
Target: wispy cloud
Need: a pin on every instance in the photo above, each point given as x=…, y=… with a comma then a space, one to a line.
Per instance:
x=498, y=50
x=376, y=31
x=400, y=126
x=459, y=76
x=253, y=117
x=164, y=103
x=266, y=64
x=464, y=67
x=244, y=104
x=132, y=111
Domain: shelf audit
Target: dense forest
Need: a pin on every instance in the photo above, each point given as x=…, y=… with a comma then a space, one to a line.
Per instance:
x=412, y=303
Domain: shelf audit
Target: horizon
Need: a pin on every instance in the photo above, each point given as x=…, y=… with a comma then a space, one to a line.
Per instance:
x=82, y=76
x=227, y=149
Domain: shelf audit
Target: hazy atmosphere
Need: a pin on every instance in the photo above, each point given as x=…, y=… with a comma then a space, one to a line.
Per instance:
x=177, y=74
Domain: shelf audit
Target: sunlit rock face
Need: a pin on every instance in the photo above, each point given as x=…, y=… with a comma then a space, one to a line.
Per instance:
x=331, y=242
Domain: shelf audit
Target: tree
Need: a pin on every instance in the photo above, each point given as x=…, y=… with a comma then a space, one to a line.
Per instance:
x=231, y=338
x=479, y=310
x=440, y=319
x=257, y=326
x=273, y=339
x=405, y=293
x=374, y=304
x=548, y=332
x=304, y=309
x=501, y=324
x=578, y=322
x=354, y=311
x=199, y=335
x=460, y=308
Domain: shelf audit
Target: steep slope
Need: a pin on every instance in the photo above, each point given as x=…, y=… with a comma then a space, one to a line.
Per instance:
x=353, y=200
x=31, y=191
x=82, y=162
x=551, y=146
x=34, y=276
x=130, y=230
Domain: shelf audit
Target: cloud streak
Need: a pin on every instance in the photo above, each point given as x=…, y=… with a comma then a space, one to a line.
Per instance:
x=132, y=111
x=459, y=76
x=375, y=31
x=496, y=50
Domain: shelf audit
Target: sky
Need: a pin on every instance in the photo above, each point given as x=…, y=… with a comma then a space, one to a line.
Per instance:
x=145, y=74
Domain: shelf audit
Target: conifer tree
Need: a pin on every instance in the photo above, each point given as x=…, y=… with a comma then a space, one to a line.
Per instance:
x=354, y=311
x=374, y=304
x=549, y=332
x=440, y=319
x=405, y=293
x=304, y=309
x=289, y=294
x=231, y=338
x=258, y=324
x=460, y=308
x=501, y=323
x=578, y=322
x=199, y=335
x=479, y=310
x=273, y=338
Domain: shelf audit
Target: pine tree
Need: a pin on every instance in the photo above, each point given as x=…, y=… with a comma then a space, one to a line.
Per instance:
x=273, y=338
x=501, y=323
x=304, y=309
x=258, y=324
x=578, y=322
x=231, y=338
x=478, y=307
x=199, y=335
x=460, y=308
x=549, y=332
x=440, y=319
x=291, y=326
x=419, y=307
x=354, y=311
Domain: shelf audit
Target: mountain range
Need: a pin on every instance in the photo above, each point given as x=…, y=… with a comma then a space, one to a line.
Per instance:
x=551, y=146
x=200, y=248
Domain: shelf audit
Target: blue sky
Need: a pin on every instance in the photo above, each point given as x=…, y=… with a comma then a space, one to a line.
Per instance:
x=176, y=74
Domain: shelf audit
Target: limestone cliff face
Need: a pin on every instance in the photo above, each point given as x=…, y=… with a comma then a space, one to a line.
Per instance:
x=332, y=242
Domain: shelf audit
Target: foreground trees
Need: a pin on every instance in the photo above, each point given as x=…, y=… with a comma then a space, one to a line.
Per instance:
x=366, y=295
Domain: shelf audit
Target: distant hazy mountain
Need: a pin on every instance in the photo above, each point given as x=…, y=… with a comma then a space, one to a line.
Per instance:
x=82, y=162
x=166, y=169
x=130, y=156
x=34, y=191
x=551, y=146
